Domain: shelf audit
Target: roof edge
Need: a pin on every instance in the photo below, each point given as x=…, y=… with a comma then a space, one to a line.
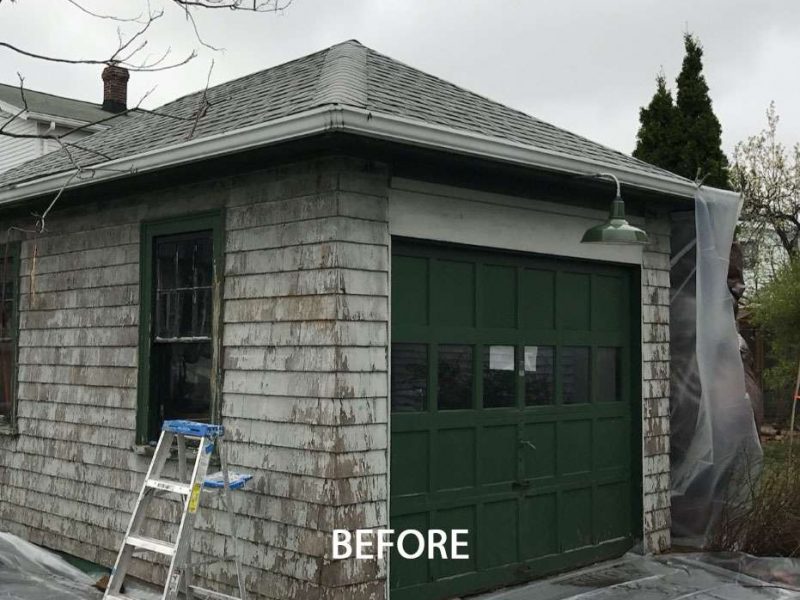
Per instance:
x=350, y=120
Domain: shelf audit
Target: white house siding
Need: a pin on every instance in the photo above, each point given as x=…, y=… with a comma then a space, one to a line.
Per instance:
x=457, y=215
x=14, y=151
x=305, y=386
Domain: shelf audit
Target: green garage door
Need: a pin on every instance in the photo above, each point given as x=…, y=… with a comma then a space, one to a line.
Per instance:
x=513, y=414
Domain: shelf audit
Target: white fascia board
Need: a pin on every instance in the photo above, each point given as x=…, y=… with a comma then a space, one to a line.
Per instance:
x=66, y=121
x=468, y=143
x=348, y=120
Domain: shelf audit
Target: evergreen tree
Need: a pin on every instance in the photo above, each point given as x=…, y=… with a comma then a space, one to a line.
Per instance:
x=658, y=136
x=684, y=136
x=701, y=145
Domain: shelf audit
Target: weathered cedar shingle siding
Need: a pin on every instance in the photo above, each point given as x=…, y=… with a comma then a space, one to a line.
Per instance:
x=655, y=385
x=305, y=384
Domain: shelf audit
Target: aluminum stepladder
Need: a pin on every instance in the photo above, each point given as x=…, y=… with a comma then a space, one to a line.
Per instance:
x=188, y=493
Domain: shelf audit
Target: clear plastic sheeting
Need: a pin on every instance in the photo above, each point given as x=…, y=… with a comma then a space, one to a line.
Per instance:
x=28, y=572
x=667, y=577
x=714, y=438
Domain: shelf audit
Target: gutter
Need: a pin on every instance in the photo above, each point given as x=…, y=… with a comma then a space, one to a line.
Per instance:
x=346, y=119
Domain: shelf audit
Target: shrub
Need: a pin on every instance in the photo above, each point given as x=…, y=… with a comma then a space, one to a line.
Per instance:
x=776, y=308
x=762, y=513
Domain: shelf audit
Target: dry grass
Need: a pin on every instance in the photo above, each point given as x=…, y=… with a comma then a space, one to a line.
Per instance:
x=765, y=519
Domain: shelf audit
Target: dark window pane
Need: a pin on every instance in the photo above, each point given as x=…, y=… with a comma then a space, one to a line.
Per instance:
x=166, y=259
x=7, y=297
x=182, y=380
x=6, y=316
x=184, y=270
x=539, y=375
x=498, y=376
x=574, y=369
x=7, y=337
x=608, y=375
x=455, y=377
x=409, y=377
x=6, y=380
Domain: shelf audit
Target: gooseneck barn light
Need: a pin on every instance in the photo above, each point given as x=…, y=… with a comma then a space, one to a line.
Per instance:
x=616, y=230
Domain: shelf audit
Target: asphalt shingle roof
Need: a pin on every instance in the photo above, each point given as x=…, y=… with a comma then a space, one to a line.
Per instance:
x=54, y=106
x=346, y=74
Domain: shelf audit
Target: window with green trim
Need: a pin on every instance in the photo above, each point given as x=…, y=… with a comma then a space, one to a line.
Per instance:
x=179, y=328
x=9, y=295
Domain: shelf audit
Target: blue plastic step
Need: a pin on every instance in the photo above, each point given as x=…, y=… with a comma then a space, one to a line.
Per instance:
x=235, y=480
x=193, y=428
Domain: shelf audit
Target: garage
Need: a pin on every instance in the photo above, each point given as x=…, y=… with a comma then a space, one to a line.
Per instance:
x=515, y=393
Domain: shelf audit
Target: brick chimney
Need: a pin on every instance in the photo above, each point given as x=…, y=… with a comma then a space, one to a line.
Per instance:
x=115, y=88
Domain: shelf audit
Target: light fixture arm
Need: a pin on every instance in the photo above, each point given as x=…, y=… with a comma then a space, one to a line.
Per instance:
x=614, y=178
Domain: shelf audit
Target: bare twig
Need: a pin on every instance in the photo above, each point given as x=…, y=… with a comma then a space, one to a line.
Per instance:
x=202, y=109
x=136, y=19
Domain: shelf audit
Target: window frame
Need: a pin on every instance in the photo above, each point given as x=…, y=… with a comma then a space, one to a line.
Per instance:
x=205, y=221
x=13, y=249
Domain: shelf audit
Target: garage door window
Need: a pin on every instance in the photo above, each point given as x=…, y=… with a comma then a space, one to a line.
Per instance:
x=539, y=375
x=409, y=377
x=575, y=375
x=455, y=377
x=498, y=376
x=608, y=370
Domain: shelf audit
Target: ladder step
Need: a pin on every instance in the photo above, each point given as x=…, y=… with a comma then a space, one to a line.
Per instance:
x=153, y=545
x=210, y=594
x=164, y=485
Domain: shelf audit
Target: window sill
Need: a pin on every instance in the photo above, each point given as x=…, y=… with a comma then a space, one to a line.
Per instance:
x=144, y=449
x=8, y=430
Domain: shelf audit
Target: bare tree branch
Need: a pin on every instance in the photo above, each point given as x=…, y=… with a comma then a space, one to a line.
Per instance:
x=768, y=177
x=129, y=53
x=83, y=9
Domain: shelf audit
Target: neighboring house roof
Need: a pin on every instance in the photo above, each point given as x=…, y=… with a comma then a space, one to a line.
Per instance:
x=49, y=107
x=347, y=87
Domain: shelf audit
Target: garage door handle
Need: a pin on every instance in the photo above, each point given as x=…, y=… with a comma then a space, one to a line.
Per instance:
x=521, y=485
x=527, y=443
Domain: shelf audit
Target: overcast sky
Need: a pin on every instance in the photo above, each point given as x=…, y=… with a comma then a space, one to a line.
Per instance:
x=585, y=65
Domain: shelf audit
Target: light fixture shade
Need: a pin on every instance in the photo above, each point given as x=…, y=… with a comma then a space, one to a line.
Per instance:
x=616, y=230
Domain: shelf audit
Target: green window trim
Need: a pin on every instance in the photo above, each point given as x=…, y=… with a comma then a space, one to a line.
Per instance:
x=8, y=418
x=207, y=221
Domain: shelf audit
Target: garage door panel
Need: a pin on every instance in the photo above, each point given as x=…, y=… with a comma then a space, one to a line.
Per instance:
x=537, y=299
x=574, y=447
x=612, y=443
x=454, y=457
x=498, y=534
x=453, y=293
x=540, y=461
x=498, y=293
x=462, y=517
x=540, y=525
x=574, y=302
x=575, y=518
x=610, y=300
x=410, y=462
x=612, y=511
x=407, y=573
x=410, y=290
x=515, y=404
x=498, y=454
